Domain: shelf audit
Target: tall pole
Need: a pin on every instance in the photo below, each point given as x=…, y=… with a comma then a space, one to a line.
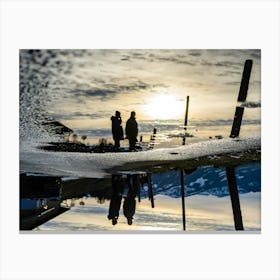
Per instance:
x=186, y=120
x=234, y=196
x=230, y=171
x=150, y=189
x=182, y=171
x=183, y=199
x=243, y=91
x=242, y=95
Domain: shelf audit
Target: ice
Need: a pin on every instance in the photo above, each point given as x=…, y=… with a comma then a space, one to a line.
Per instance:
x=96, y=165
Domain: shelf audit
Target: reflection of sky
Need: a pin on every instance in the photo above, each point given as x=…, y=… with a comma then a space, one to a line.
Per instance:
x=203, y=213
x=84, y=88
x=208, y=205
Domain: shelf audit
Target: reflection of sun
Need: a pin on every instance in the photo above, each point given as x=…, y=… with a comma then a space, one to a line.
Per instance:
x=164, y=106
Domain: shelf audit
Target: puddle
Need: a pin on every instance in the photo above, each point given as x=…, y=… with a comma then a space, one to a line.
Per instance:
x=142, y=202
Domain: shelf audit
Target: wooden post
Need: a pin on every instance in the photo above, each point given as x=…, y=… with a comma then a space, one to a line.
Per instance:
x=245, y=80
x=186, y=120
x=243, y=91
x=150, y=189
x=237, y=122
x=153, y=138
x=183, y=199
x=181, y=171
x=155, y=132
x=233, y=190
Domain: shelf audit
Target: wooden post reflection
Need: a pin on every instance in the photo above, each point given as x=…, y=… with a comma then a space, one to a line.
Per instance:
x=186, y=120
x=183, y=198
x=234, y=196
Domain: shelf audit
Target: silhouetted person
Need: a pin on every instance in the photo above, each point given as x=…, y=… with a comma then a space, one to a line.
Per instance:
x=129, y=204
x=131, y=131
x=117, y=129
x=116, y=199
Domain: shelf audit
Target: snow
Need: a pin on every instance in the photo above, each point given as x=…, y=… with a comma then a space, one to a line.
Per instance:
x=95, y=165
x=200, y=181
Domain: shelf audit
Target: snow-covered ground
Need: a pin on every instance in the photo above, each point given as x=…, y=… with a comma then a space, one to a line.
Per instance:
x=95, y=165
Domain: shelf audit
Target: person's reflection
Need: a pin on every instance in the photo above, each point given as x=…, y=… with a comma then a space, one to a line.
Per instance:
x=116, y=199
x=129, y=203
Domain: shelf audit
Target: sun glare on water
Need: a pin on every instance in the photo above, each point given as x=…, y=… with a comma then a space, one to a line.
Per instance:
x=164, y=106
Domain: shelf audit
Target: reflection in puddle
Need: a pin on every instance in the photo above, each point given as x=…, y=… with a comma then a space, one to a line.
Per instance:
x=203, y=213
x=139, y=201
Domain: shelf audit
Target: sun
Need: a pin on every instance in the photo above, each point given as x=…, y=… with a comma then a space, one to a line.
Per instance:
x=164, y=106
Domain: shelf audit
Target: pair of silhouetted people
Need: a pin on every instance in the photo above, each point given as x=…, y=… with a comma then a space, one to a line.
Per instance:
x=131, y=130
x=129, y=204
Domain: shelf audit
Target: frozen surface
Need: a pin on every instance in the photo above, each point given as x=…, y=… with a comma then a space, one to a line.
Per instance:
x=82, y=88
x=95, y=165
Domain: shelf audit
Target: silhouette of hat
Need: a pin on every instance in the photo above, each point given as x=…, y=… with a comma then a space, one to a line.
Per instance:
x=118, y=113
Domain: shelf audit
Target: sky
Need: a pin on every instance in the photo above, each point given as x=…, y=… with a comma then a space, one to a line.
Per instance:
x=83, y=88
x=203, y=213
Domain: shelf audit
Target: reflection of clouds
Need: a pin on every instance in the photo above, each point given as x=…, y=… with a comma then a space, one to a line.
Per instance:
x=203, y=213
x=109, y=90
x=223, y=122
x=195, y=53
x=75, y=115
x=225, y=64
x=229, y=73
x=93, y=82
x=251, y=104
x=255, y=54
x=177, y=124
x=174, y=59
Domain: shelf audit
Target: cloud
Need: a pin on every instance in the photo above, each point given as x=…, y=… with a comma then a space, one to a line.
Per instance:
x=229, y=73
x=75, y=115
x=226, y=63
x=221, y=122
x=256, y=54
x=194, y=53
x=178, y=60
x=251, y=104
x=125, y=58
x=98, y=92
x=111, y=89
x=233, y=83
x=169, y=56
